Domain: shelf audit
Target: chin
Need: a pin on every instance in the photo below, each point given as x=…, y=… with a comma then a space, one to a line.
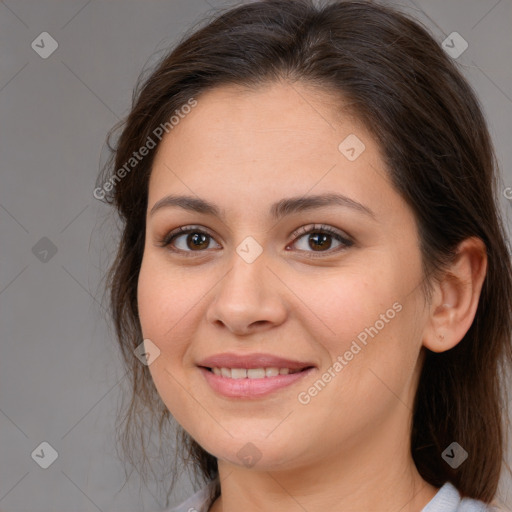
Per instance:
x=253, y=452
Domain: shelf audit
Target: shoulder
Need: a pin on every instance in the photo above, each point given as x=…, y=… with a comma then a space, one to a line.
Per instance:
x=448, y=499
x=470, y=505
x=494, y=507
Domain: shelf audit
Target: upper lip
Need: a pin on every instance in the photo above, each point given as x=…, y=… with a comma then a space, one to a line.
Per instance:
x=229, y=360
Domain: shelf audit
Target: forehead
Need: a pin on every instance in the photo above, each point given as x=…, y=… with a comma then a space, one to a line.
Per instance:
x=281, y=126
x=241, y=147
x=297, y=109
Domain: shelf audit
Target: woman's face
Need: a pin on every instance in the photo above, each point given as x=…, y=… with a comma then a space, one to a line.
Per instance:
x=260, y=278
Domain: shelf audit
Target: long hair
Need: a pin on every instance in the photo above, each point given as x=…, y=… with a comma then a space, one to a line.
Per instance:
x=397, y=80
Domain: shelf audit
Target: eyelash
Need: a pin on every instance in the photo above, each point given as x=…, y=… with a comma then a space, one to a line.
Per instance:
x=299, y=233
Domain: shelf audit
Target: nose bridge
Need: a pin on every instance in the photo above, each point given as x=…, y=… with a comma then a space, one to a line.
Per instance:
x=248, y=273
x=246, y=295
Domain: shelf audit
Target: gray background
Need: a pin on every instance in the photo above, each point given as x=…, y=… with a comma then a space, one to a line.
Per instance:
x=60, y=373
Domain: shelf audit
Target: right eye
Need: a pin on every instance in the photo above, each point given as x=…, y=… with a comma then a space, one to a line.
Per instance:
x=186, y=240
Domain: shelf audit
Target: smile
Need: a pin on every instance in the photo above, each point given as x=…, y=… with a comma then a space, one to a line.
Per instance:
x=252, y=383
x=252, y=373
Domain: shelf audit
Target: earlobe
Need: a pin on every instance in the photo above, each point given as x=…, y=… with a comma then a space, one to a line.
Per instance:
x=456, y=297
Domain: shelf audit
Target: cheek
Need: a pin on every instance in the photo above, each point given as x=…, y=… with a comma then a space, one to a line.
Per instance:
x=343, y=305
x=367, y=325
x=163, y=306
x=166, y=313
x=164, y=300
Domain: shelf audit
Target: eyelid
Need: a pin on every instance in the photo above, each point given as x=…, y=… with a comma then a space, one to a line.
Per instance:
x=184, y=230
x=313, y=228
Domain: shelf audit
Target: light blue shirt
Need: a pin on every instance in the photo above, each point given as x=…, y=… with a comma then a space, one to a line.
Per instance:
x=447, y=499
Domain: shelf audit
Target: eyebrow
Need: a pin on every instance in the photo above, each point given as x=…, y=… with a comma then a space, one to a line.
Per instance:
x=278, y=210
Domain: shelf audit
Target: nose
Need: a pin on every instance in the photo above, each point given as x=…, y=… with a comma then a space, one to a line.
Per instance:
x=248, y=298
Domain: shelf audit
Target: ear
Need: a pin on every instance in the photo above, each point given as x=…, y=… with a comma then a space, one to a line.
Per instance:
x=455, y=298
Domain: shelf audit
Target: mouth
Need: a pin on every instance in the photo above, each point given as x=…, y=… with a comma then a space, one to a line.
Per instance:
x=251, y=375
x=255, y=361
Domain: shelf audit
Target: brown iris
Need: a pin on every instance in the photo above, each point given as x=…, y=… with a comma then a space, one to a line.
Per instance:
x=320, y=238
x=197, y=241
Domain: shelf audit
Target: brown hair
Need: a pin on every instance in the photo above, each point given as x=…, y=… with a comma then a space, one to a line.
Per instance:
x=398, y=81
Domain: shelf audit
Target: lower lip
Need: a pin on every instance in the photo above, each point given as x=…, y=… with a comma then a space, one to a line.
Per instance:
x=248, y=388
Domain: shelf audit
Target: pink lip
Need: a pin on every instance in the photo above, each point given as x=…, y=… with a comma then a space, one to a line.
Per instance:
x=255, y=388
x=229, y=360
x=251, y=388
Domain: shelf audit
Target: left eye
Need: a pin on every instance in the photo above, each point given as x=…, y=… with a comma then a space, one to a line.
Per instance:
x=320, y=239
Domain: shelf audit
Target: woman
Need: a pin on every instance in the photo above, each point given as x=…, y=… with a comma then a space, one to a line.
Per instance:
x=313, y=278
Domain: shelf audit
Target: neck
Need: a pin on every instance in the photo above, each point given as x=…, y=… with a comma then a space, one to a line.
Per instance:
x=270, y=491
x=375, y=476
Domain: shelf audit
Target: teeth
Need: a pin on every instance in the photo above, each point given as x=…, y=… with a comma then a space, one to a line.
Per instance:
x=252, y=373
x=238, y=373
x=272, y=372
x=255, y=373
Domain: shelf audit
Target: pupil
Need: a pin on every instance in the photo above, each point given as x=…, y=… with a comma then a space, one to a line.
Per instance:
x=198, y=240
x=319, y=239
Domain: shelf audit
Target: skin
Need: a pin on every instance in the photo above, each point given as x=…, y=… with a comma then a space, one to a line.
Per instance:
x=348, y=448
